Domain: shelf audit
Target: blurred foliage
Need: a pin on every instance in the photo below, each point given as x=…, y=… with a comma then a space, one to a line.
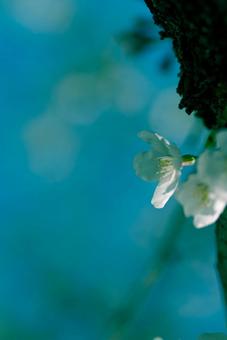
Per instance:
x=142, y=37
x=11, y=329
x=213, y=336
x=211, y=140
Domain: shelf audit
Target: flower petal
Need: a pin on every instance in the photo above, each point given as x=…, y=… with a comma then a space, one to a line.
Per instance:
x=208, y=163
x=188, y=197
x=147, y=166
x=159, y=144
x=201, y=220
x=212, y=167
x=200, y=201
x=173, y=150
x=165, y=189
x=222, y=140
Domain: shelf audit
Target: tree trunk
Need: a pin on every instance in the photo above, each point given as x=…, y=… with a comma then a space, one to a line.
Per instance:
x=198, y=30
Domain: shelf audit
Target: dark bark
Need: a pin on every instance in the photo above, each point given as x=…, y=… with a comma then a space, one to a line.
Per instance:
x=199, y=34
x=221, y=237
x=198, y=30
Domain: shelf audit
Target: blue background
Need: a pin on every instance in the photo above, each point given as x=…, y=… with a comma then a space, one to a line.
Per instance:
x=83, y=254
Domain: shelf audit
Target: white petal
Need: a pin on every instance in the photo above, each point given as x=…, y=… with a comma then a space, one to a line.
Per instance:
x=212, y=167
x=222, y=140
x=200, y=201
x=159, y=144
x=172, y=148
x=209, y=163
x=146, y=166
x=202, y=220
x=186, y=195
x=219, y=205
x=175, y=153
x=165, y=189
x=161, y=138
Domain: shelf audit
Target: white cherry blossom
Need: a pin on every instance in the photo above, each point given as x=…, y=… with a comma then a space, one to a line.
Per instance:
x=221, y=138
x=162, y=163
x=212, y=166
x=200, y=201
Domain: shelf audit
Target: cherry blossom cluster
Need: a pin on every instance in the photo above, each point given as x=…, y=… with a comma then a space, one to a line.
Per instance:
x=204, y=194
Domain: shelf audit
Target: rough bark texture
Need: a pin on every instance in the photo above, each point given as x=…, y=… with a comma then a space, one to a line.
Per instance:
x=199, y=33
x=198, y=30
